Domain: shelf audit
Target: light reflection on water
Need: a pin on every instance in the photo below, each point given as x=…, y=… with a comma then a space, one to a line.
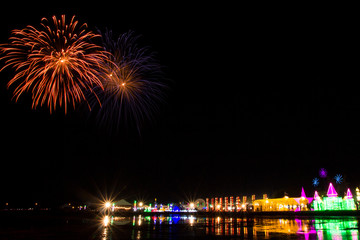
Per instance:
x=149, y=227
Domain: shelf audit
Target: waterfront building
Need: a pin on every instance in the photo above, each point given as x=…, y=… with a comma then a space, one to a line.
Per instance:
x=121, y=205
x=332, y=201
x=283, y=204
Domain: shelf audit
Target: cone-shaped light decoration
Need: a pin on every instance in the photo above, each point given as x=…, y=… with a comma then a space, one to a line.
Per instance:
x=349, y=194
x=303, y=193
x=316, y=196
x=331, y=191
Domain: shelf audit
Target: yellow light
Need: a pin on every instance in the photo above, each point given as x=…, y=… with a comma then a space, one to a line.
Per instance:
x=107, y=204
x=123, y=84
x=191, y=220
x=140, y=204
x=106, y=221
x=192, y=205
x=63, y=59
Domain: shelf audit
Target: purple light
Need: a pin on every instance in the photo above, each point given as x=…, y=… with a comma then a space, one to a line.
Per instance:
x=323, y=173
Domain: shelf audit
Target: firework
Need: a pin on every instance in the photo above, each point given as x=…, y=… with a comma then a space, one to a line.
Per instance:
x=315, y=182
x=338, y=178
x=56, y=62
x=132, y=82
x=322, y=173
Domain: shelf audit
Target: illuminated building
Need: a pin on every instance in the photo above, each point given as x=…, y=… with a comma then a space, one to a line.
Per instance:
x=317, y=204
x=122, y=205
x=238, y=204
x=283, y=204
x=333, y=202
x=348, y=201
x=244, y=203
x=280, y=204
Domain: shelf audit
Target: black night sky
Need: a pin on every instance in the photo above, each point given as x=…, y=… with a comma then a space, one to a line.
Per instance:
x=259, y=101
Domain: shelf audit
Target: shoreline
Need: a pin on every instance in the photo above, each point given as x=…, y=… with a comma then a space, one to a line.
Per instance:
x=342, y=213
x=272, y=214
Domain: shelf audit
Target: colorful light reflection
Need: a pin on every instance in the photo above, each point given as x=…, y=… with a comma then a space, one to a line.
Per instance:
x=317, y=228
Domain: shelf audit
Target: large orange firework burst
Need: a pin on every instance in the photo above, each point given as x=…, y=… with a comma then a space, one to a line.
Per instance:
x=57, y=63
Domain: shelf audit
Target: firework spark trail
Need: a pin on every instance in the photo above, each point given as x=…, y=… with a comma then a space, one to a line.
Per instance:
x=57, y=63
x=132, y=87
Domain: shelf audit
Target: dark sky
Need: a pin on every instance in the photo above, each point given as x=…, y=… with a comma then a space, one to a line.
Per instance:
x=260, y=99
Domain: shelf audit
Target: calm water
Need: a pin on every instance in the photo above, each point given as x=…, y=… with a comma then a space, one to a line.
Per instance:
x=178, y=227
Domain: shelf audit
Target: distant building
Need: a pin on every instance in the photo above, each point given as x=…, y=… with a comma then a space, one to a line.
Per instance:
x=122, y=205
x=332, y=201
x=283, y=204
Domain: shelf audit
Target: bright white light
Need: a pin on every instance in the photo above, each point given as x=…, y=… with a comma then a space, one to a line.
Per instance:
x=108, y=204
x=191, y=220
x=106, y=221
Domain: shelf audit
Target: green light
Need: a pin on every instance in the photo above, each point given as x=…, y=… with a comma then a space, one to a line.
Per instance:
x=333, y=203
x=336, y=228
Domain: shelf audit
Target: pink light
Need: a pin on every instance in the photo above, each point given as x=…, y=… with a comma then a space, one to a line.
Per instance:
x=303, y=195
x=331, y=191
x=316, y=196
x=349, y=194
x=303, y=192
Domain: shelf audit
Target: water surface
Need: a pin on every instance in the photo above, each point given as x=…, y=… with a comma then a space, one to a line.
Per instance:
x=176, y=227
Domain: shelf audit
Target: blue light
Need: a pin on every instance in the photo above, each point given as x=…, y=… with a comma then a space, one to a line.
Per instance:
x=315, y=182
x=338, y=178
